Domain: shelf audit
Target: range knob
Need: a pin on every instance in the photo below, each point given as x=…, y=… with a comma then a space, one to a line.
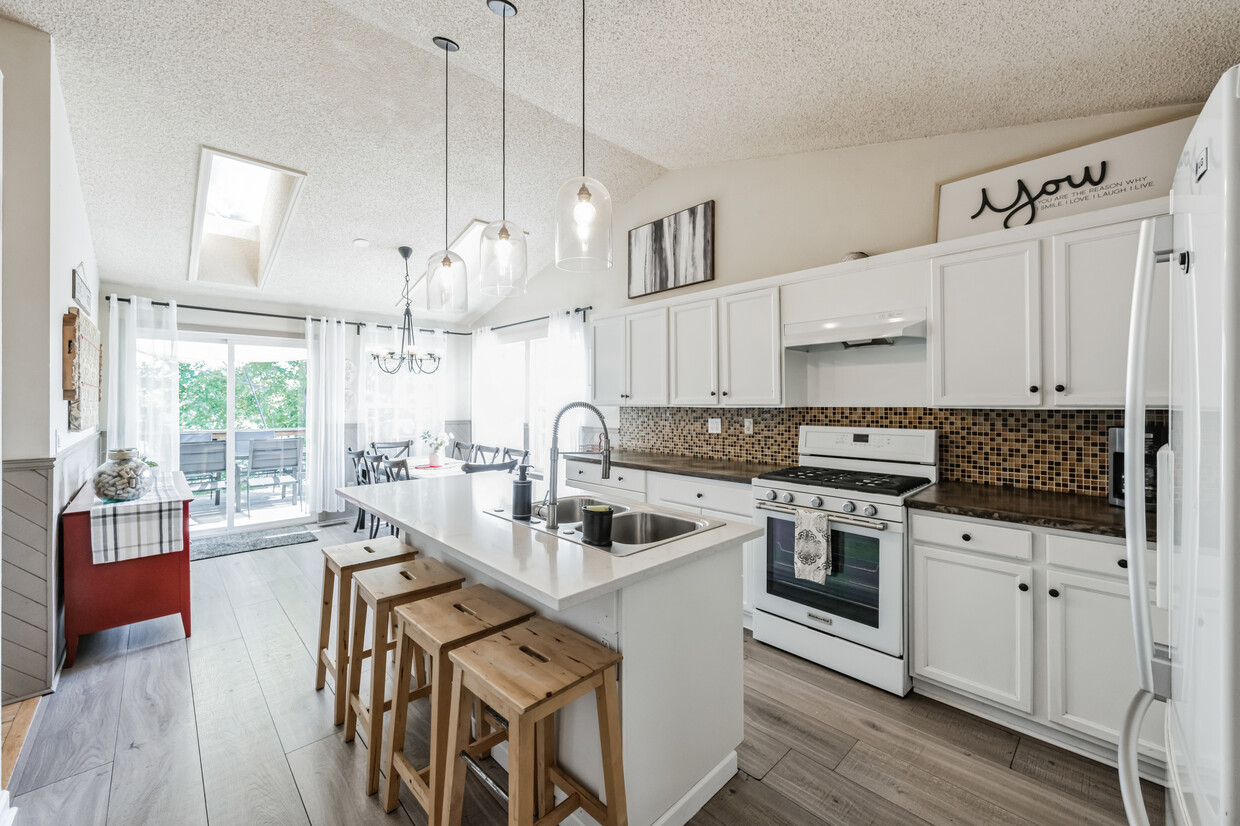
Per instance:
x=787, y=497
x=770, y=496
x=848, y=507
x=869, y=510
x=816, y=502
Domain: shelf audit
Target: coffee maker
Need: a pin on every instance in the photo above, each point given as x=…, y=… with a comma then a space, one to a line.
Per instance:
x=1155, y=437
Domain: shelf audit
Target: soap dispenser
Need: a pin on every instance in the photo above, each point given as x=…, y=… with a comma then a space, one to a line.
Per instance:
x=521, y=500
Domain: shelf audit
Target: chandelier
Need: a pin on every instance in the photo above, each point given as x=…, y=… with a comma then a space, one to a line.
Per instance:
x=408, y=356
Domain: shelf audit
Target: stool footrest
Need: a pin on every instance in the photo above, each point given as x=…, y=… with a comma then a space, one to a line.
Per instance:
x=500, y=793
x=478, y=748
x=569, y=805
x=419, y=782
x=593, y=806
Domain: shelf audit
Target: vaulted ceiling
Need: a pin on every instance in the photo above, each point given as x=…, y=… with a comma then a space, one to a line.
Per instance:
x=350, y=92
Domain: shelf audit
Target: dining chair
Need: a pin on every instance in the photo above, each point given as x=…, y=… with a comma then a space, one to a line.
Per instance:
x=394, y=449
x=462, y=450
x=485, y=454
x=396, y=470
x=519, y=453
x=376, y=464
x=361, y=476
x=480, y=467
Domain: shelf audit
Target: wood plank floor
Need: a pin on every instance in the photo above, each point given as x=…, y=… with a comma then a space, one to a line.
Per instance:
x=226, y=728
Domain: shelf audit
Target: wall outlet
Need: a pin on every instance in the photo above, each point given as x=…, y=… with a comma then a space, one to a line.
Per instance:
x=714, y=425
x=749, y=425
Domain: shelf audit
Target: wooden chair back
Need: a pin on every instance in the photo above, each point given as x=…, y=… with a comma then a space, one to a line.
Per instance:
x=462, y=450
x=485, y=454
x=360, y=472
x=475, y=467
x=393, y=449
x=394, y=470
x=519, y=453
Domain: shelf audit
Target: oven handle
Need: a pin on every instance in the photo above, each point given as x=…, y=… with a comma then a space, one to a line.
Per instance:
x=843, y=520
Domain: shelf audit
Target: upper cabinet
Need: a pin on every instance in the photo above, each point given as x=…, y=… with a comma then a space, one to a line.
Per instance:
x=1092, y=275
x=987, y=328
x=749, y=349
x=628, y=358
x=693, y=356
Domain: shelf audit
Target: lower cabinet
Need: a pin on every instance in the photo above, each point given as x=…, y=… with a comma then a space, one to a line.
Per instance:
x=973, y=625
x=1091, y=667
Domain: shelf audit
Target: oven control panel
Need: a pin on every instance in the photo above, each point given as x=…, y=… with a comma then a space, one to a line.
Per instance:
x=781, y=499
x=887, y=444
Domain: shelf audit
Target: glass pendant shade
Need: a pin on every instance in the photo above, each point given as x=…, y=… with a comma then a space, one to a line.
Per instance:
x=504, y=259
x=583, y=226
x=447, y=283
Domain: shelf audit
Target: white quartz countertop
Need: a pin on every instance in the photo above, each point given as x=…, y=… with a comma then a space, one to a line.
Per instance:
x=449, y=514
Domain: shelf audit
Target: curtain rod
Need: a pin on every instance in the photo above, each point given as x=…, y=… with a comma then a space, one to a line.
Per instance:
x=358, y=324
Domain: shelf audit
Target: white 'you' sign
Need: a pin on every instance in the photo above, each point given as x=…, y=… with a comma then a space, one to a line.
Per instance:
x=1134, y=167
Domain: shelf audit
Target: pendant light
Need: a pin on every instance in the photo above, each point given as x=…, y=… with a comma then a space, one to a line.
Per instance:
x=447, y=284
x=408, y=356
x=504, y=258
x=583, y=206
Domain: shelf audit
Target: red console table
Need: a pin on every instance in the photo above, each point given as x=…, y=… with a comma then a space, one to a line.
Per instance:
x=111, y=594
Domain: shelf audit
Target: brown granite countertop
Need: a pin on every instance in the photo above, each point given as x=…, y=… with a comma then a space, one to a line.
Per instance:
x=1062, y=511
x=724, y=470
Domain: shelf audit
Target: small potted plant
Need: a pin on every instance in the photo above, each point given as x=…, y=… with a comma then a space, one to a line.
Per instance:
x=436, y=443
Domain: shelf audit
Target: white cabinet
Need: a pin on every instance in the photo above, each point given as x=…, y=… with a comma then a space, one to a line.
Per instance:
x=973, y=625
x=628, y=358
x=1091, y=668
x=589, y=476
x=750, y=354
x=1092, y=279
x=693, y=356
x=608, y=359
x=986, y=334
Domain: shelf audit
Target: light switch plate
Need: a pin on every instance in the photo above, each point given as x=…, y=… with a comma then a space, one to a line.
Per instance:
x=714, y=425
x=749, y=425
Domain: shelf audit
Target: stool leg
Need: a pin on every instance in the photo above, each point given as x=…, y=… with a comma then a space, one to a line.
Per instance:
x=400, y=713
x=325, y=627
x=356, y=647
x=378, y=680
x=481, y=727
x=521, y=763
x=344, y=590
x=454, y=766
x=544, y=735
x=441, y=727
x=607, y=698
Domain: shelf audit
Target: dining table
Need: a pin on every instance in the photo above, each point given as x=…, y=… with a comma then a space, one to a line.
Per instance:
x=421, y=468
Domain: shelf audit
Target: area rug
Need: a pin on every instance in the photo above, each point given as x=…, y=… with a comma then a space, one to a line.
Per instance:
x=237, y=543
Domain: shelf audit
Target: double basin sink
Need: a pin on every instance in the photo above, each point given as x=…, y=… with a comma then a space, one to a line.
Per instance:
x=632, y=529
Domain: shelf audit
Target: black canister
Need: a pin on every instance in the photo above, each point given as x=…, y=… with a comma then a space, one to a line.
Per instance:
x=596, y=525
x=521, y=494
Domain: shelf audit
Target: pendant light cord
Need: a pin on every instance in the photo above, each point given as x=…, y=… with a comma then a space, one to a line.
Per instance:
x=583, y=88
x=503, y=119
x=445, y=148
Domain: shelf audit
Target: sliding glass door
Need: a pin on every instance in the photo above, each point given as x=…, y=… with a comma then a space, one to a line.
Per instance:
x=243, y=428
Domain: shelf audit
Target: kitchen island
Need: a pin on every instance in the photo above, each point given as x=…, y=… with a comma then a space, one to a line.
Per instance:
x=673, y=610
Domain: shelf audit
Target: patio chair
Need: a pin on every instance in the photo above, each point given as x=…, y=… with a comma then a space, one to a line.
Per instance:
x=394, y=449
x=205, y=465
x=274, y=463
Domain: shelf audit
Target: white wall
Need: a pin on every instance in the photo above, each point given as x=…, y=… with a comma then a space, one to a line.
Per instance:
x=784, y=214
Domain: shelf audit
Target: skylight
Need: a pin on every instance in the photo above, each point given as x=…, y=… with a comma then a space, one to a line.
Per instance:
x=243, y=207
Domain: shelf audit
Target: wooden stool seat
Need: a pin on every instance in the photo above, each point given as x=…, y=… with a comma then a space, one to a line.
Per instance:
x=526, y=673
x=436, y=627
x=380, y=590
x=340, y=563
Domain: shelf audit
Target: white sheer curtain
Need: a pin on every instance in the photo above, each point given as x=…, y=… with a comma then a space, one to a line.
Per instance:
x=144, y=380
x=325, y=413
x=394, y=407
x=558, y=365
x=498, y=405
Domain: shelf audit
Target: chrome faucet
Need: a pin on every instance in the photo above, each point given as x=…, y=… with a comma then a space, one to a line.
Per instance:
x=553, y=516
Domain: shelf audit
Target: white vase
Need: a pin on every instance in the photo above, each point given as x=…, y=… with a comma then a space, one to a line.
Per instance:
x=435, y=459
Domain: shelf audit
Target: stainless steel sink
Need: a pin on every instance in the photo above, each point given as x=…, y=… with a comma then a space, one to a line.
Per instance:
x=645, y=528
x=569, y=508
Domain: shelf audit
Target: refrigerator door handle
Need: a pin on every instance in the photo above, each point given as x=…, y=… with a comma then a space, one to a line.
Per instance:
x=1166, y=534
x=1155, y=243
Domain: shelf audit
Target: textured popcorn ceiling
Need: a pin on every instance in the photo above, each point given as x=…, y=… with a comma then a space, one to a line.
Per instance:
x=350, y=92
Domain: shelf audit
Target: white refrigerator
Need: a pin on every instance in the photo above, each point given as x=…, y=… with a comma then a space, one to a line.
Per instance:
x=1198, y=514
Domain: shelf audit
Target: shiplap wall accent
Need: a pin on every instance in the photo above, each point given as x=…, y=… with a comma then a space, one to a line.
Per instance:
x=31, y=636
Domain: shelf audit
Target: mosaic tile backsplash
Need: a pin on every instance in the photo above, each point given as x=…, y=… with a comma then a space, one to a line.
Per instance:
x=1055, y=450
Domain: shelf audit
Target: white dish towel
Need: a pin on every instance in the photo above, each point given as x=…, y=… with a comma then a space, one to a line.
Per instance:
x=811, y=552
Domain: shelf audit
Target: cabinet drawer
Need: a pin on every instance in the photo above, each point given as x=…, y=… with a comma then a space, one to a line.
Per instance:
x=591, y=473
x=688, y=491
x=1095, y=556
x=978, y=537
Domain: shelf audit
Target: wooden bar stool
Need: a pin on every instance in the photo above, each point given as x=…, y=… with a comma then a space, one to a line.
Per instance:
x=526, y=673
x=438, y=626
x=379, y=590
x=340, y=563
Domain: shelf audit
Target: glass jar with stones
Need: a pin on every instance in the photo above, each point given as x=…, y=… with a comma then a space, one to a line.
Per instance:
x=123, y=476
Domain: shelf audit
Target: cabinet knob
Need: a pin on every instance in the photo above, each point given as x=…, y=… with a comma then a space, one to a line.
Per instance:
x=580, y=472
x=619, y=478
x=1023, y=586
x=1059, y=388
x=1123, y=563
x=1053, y=592
x=967, y=537
x=725, y=392
x=699, y=496
x=712, y=392
x=1033, y=388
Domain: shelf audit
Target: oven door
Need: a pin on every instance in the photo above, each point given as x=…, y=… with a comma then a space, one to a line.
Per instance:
x=862, y=599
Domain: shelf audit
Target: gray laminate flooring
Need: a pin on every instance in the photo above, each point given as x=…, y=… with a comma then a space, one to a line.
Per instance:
x=226, y=728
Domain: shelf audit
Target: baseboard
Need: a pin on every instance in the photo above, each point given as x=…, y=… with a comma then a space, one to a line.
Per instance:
x=7, y=810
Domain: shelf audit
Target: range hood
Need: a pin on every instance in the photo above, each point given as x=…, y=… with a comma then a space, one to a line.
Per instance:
x=856, y=330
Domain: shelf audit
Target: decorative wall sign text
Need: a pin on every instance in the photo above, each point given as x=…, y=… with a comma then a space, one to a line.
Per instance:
x=1026, y=200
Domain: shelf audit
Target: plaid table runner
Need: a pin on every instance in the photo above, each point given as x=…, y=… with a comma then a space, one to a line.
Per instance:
x=144, y=527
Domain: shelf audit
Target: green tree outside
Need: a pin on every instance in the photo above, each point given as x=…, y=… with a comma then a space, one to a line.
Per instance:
x=270, y=396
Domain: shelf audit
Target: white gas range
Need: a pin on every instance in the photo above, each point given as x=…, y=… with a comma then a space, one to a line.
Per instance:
x=854, y=622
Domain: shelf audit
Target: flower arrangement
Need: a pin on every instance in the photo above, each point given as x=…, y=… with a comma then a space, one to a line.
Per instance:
x=436, y=442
